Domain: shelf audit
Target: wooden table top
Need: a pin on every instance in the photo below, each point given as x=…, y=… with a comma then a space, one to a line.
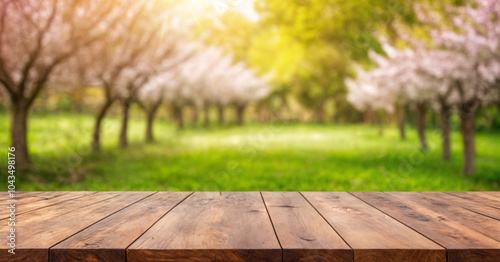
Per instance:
x=254, y=226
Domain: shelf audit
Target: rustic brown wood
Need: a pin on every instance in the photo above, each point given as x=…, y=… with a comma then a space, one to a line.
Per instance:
x=23, y=198
x=462, y=243
x=479, y=197
x=31, y=202
x=472, y=203
x=4, y=195
x=108, y=239
x=490, y=193
x=303, y=234
x=449, y=209
x=33, y=196
x=488, y=200
x=373, y=235
x=211, y=226
x=253, y=226
x=40, y=229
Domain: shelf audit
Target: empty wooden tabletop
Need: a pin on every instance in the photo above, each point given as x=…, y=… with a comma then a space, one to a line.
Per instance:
x=253, y=226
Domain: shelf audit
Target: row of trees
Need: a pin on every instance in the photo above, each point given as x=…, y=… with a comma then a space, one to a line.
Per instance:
x=208, y=78
x=457, y=69
x=135, y=51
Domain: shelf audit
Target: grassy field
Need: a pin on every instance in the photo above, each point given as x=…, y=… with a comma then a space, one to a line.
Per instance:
x=255, y=157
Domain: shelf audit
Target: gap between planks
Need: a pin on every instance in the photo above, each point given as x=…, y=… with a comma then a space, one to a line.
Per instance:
x=350, y=192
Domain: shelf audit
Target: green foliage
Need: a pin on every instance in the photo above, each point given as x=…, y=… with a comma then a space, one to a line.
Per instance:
x=350, y=24
x=275, y=53
x=321, y=78
x=255, y=157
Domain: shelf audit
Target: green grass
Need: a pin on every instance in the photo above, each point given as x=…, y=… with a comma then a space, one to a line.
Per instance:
x=254, y=157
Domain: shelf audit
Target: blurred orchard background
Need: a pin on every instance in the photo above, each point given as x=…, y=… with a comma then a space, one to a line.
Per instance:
x=251, y=94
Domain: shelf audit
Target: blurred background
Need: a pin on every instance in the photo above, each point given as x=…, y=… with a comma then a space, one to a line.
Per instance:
x=251, y=94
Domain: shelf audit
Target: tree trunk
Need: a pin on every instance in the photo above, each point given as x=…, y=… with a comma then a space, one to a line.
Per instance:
x=420, y=122
x=367, y=116
x=220, y=114
x=206, y=116
x=467, y=124
x=149, y=126
x=380, y=123
x=150, y=116
x=124, y=128
x=320, y=112
x=177, y=111
x=401, y=115
x=240, y=112
x=195, y=116
x=96, y=136
x=445, y=131
x=19, y=132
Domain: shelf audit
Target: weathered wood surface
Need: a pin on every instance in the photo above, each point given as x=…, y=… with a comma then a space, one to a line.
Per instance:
x=477, y=200
x=40, y=229
x=462, y=241
x=211, y=226
x=31, y=202
x=303, y=233
x=107, y=239
x=372, y=234
x=254, y=226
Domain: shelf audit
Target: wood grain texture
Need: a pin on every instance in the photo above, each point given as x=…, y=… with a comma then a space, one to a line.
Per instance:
x=303, y=234
x=21, y=194
x=373, y=235
x=211, y=226
x=4, y=195
x=21, y=199
x=28, y=197
x=462, y=243
x=40, y=229
x=451, y=212
x=490, y=193
x=480, y=199
x=108, y=239
x=31, y=202
x=472, y=203
x=495, y=196
x=254, y=226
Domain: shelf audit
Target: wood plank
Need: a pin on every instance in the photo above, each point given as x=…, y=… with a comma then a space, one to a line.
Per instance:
x=29, y=203
x=108, y=239
x=477, y=198
x=66, y=207
x=4, y=195
x=211, y=226
x=38, y=230
x=33, y=195
x=490, y=193
x=30, y=197
x=487, y=195
x=373, y=235
x=461, y=242
x=449, y=210
x=303, y=234
x=472, y=203
x=22, y=199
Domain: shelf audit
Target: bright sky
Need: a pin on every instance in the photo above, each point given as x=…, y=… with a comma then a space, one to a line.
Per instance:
x=245, y=7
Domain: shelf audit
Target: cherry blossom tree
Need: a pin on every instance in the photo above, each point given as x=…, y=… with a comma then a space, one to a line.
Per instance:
x=459, y=69
x=37, y=37
x=129, y=84
x=212, y=78
x=123, y=61
x=152, y=95
x=476, y=36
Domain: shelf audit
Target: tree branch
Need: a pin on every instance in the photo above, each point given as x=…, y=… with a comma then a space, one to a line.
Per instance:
x=38, y=48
